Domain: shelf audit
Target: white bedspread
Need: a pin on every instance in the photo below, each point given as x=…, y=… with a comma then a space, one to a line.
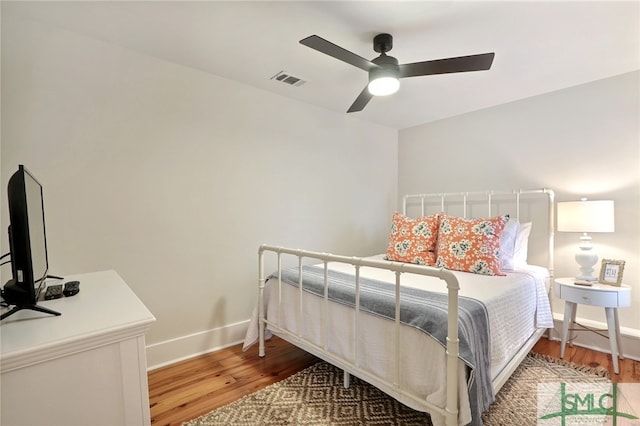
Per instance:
x=517, y=305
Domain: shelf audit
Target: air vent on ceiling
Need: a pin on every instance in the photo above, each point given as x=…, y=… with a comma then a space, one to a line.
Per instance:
x=287, y=78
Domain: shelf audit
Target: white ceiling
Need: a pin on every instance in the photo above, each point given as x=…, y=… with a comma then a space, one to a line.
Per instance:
x=539, y=46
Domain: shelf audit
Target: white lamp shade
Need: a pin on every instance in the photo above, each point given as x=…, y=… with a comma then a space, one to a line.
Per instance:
x=383, y=86
x=586, y=216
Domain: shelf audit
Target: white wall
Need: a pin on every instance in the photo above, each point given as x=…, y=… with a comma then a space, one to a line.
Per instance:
x=582, y=141
x=173, y=177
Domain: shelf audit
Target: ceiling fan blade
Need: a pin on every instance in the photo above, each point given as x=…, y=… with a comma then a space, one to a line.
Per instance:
x=328, y=48
x=442, y=66
x=361, y=101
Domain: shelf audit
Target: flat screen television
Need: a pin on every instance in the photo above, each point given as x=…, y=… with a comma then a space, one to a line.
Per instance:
x=27, y=244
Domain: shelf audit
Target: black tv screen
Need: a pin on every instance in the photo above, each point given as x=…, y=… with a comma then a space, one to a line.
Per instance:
x=27, y=242
x=37, y=236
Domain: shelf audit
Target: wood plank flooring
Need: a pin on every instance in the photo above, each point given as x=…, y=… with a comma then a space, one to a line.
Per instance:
x=186, y=390
x=629, y=369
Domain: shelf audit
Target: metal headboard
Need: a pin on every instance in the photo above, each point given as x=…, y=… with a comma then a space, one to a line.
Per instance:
x=465, y=202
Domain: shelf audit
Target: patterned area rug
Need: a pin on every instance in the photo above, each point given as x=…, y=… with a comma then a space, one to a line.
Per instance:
x=315, y=396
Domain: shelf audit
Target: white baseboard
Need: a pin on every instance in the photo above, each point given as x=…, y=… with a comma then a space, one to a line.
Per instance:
x=630, y=344
x=185, y=347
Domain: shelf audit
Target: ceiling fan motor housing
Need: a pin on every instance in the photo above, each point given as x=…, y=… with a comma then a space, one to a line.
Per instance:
x=388, y=66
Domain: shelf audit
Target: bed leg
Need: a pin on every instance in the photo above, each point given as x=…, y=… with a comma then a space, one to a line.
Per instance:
x=261, y=326
x=346, y=379
x=261, y=284
x=261, y=352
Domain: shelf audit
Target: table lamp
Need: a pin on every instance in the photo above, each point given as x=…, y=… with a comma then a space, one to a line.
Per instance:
x=586, y=216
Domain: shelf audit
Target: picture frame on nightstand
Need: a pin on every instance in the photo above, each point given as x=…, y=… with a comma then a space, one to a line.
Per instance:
x=611, y=272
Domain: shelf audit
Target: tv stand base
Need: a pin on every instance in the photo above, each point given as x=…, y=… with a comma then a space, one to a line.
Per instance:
x=31, y=307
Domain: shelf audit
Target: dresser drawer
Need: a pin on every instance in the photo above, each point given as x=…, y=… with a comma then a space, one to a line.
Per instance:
x=589, y=297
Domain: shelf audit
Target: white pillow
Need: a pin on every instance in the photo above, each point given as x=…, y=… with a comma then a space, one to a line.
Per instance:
x=520, y=250
x=507, y=244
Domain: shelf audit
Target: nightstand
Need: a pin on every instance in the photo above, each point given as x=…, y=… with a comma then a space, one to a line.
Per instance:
x=609, y=297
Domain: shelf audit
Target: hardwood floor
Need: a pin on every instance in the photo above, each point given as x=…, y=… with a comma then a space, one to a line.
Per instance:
x=186, y=390
x=629, y=369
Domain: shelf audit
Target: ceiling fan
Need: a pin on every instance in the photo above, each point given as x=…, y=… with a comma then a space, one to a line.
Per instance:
x=385, y=72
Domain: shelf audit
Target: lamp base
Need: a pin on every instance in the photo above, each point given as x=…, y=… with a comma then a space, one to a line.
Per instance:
x=586, y=258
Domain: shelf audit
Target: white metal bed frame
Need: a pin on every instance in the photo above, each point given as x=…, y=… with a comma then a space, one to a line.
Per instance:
x=393, y=388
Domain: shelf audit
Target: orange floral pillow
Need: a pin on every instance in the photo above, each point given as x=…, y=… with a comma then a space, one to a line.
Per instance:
x=413, y=240
x=470, y=245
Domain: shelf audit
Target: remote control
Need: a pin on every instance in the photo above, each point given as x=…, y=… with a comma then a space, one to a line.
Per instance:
x=53, y=292
x=71, y=288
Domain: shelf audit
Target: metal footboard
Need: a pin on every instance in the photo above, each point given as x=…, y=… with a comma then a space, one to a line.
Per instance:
x=394, y=387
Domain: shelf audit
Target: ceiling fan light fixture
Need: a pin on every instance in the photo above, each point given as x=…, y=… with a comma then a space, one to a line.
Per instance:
x=383, y=82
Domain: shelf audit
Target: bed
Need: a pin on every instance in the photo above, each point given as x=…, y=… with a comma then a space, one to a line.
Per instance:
x=439, y=334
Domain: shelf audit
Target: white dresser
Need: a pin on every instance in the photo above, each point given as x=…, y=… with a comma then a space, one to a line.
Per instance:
x=85, y=367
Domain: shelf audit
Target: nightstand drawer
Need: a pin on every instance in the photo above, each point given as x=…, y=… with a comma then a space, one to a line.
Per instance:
x=589, y=297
